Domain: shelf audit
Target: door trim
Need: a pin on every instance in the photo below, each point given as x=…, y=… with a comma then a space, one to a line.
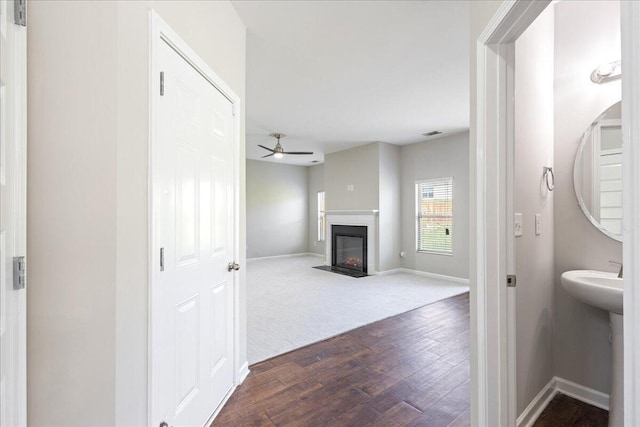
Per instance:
x=161, y=32
x=493, y=396
x=630, y=32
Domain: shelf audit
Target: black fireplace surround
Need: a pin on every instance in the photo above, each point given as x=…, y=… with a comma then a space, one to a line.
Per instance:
x=349, y=247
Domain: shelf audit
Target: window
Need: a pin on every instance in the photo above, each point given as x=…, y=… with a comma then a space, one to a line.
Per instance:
x=321, y=217
x=434, y=216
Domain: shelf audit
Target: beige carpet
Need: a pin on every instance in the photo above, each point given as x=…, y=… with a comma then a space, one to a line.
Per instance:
x=290, y=304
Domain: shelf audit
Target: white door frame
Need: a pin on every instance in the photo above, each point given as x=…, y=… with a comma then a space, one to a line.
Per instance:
x=160, y=32
x=494, y=362
x=493, y=393
x=16, y=104
x=630, y=23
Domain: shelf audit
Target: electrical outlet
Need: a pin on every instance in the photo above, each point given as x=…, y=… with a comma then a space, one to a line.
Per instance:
x=517, y=224
x=350, y=187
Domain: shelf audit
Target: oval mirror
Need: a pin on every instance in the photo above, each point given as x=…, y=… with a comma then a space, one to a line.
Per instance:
x=597, y=173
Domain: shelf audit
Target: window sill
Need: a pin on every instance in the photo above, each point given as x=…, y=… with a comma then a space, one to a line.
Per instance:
x=435, y=253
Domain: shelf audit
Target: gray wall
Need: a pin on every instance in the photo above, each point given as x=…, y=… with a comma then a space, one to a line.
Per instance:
x=534, y=253
x=586, y=35
x=277, y=209
x=316, y=183
x=88, y=198
x=442, y=157
x=389, y=221
x=358, y=167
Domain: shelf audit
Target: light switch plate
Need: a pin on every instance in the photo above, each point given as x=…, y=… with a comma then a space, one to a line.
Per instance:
x=538, y=224
x=517, y=224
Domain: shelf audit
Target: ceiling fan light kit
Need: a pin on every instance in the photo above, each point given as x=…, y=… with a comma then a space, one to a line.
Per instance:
x=278, y=152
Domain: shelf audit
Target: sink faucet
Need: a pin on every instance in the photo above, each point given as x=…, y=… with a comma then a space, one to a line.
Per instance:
x=620, y=264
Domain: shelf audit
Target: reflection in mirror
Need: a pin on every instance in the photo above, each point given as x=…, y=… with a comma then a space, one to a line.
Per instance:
x=597, y=173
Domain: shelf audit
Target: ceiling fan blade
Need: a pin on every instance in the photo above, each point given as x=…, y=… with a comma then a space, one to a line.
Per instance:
x=298, y=152
x=268, y=155
x=266, y=148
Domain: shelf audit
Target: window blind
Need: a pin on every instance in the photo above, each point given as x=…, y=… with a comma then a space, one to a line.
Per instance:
x=435, y=215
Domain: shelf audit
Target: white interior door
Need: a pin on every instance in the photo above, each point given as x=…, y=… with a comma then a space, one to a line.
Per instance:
x=193, y=289
x=13, y=217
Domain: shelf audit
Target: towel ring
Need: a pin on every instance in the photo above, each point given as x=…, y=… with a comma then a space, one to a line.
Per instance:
x=547, y=171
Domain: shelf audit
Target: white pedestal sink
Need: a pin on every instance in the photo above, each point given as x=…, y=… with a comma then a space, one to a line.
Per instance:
x=604, y=290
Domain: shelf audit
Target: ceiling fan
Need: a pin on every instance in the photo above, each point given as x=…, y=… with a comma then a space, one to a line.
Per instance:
x=278, y=151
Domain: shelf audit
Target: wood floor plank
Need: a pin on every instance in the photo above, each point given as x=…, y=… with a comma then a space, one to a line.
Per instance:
x=410, y=369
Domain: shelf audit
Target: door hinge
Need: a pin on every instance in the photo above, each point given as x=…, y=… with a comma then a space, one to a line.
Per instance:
x=233, y=109
x=161, y=259
x=19, y=272
x=161, y=83
x=20, y=12
x=511, y=280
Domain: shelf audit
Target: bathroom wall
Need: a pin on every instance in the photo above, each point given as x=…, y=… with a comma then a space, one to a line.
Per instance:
x=587, y=34
x=534, y=254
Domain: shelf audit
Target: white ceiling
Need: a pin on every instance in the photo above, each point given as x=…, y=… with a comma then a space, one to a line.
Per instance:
x=337, y=74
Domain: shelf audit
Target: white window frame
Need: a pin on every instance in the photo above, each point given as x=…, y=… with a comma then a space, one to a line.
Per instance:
x=322, y=217
x=417, y=215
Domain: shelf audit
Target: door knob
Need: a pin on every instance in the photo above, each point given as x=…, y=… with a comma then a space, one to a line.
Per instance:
x=233, y=266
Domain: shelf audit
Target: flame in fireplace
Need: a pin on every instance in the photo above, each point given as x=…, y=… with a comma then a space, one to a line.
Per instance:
x=353, y=262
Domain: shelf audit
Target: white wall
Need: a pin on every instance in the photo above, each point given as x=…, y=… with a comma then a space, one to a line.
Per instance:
x=358, y=167
x=587, y=34
x=316, y=183
x=443, y=157
x=71, y=218
x=534, y=144
x=87, y=221
x=389, y=221
x=277, y=209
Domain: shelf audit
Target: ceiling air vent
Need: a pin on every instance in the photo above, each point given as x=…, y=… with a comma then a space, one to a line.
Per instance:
x=432, y=133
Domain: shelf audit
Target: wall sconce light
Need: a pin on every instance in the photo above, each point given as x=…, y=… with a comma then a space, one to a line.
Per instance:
x=607, y=73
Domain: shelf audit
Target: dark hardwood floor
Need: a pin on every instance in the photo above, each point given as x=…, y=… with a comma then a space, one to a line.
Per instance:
x=408, y=370
x=565, y=411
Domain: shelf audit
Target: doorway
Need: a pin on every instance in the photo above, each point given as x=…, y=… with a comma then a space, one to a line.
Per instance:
x=495, y=362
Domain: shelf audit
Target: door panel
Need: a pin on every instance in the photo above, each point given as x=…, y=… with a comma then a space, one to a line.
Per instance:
x=187, y=352
x=192, y=299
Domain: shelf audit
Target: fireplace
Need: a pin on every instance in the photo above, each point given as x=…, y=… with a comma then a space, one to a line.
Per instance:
x=349, y=248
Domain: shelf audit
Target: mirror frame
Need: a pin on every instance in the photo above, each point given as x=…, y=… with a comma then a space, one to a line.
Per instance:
x=576, y=167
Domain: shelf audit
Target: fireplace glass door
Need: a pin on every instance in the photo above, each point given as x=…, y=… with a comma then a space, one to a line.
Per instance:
x=349, y=248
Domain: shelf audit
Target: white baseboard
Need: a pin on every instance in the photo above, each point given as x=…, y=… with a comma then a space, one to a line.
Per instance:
x=560, y=385
x=386, y=272
x=243, y=372
x=432, y=275
x=582, y=393
x=537, y=405
x=285, y=256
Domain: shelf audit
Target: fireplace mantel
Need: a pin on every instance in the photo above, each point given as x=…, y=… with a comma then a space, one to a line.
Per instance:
x=352, y=212
x=368, y=218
